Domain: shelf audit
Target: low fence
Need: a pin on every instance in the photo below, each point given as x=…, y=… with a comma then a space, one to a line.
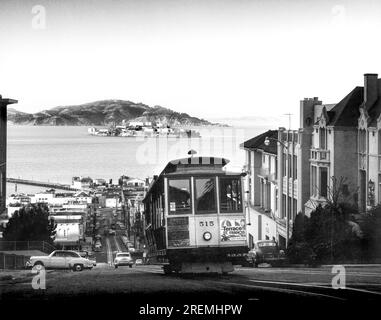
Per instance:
x=26, y=245
x=12, y=261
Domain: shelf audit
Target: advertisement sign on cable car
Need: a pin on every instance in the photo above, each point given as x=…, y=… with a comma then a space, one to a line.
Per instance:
x=233, y=230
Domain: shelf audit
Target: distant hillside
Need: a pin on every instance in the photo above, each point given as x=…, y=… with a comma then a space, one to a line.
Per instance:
x=103, y=113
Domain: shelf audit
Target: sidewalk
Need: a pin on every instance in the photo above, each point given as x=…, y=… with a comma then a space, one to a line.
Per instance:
x=14, y=275
x=7, y=275
x=368, y=265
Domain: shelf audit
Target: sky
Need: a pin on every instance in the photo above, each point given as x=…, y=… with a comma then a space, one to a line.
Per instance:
x=211, y=59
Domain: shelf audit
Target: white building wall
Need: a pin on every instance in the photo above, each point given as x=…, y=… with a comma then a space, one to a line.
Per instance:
x=267, y=229
x=373, y=163
x=42, y=198
x=273, y=199
x=68, y=231
x=12, y=210
x=112, y=202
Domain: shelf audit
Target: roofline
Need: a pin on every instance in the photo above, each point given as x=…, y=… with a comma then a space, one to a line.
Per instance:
x=258, y=149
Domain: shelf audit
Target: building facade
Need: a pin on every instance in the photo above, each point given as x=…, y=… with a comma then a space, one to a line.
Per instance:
x=274, y=196
x=3, y=150
x=261, y=187
x=369, y=144
x=290, y=193
x=337, y=146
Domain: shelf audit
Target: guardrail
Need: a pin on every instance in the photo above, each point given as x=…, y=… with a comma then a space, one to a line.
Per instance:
x=12, y=261
x=26, y=245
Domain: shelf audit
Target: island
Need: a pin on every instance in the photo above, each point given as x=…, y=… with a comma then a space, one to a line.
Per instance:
x=106, y=113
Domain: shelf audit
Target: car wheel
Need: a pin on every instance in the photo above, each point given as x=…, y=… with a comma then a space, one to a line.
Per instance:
x=167, y=269
x=38, y=265
x=78, y=267
x=130, y=265
x=116, y=267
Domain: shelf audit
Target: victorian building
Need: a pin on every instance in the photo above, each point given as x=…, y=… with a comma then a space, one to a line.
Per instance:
x=369, y=144
x=295, y=171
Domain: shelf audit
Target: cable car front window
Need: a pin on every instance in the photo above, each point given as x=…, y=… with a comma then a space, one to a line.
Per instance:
x=205, y=195
x=230, y=194
x=179, y=196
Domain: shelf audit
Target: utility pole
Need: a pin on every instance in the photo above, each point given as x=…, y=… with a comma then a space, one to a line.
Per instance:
x=94, y=216
x=289, y=119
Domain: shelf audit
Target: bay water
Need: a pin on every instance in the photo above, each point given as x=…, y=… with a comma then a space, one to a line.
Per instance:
x=56, y=154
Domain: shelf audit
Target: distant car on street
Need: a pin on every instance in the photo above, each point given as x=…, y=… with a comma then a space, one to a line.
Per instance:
x=98, y=246
x=139, y=261
x=123, y=259
x=265, y=251
x=61, y=259
x=111, y=232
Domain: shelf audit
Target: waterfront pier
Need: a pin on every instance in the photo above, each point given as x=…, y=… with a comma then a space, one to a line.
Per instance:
x=53, y=185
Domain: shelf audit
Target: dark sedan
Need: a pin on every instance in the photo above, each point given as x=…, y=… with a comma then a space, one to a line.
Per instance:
x=265, y=251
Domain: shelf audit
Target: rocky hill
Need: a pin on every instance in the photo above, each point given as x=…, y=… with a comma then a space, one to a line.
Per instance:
x=102, y=113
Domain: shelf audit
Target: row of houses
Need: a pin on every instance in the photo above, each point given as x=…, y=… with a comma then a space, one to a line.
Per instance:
x=69, y=211
x=292, y=171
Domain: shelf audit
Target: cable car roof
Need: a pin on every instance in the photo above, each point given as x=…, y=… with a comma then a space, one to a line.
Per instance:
x=192, y=165
x=196, y=162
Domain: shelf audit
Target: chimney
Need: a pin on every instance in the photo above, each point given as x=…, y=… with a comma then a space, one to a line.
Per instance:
x=370, y=89
x=307, y=111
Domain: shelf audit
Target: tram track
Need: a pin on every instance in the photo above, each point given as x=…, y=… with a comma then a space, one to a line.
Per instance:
x=117, y=244
x=282, y=290
x=306, y=289
x=109, y=251
x=313, y=285
x=310, y=272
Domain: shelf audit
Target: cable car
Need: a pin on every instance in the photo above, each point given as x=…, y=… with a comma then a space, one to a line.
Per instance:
x=194, y=216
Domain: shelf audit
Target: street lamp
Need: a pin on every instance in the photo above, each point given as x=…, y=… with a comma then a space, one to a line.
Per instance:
x=284, y=146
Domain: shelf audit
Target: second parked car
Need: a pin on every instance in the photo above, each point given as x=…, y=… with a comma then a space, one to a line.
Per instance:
x=265, y=251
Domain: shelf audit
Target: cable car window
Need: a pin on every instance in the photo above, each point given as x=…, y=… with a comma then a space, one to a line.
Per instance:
x=179, y=196
x=205, y=195
x=230, y=194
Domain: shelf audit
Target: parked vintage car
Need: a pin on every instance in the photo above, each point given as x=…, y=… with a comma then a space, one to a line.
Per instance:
x=123, y=259
x=61, y=259
x=265, y=251
x=88, y=255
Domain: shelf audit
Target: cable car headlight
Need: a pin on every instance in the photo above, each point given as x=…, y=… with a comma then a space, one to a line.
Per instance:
x=207, y=236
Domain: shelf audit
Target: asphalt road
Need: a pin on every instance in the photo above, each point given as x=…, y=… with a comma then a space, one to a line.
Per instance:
x=110, y=244
x=274, y=290
x=260, y=284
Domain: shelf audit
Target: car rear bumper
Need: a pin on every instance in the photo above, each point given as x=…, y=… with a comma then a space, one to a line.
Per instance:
x=123, y=264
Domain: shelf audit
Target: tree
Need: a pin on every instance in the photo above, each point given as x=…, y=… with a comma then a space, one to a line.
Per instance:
x=371, y=229
x=299, y=250
x=328, y=234
x=30, y=223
